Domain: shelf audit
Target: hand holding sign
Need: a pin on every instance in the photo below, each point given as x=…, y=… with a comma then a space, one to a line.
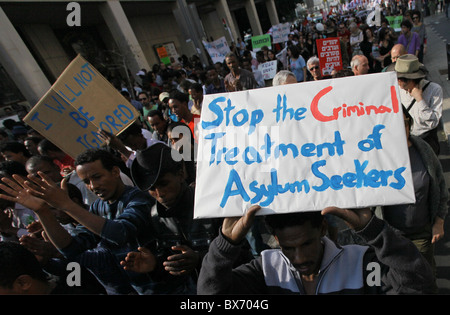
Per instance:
x=236, y=228
x=356, y=219
x=79, y=103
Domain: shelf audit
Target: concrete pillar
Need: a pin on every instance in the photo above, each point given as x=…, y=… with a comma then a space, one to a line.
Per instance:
x=126, y=40
x=46, y=45
x=184, y=18
x=20, y=64
x=197, y=22
x=272, y=10
x=223, y=11
x=236, y=26
x=253, y=17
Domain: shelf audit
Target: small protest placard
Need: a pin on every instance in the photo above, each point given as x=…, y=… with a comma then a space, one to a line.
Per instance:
x=163, y=55
x=268, y=69
x=395, y=22
x=330, y=58
x=217, y=49
x=260, y=41
x=280, y=32
x=79, y=103
x=303, y=147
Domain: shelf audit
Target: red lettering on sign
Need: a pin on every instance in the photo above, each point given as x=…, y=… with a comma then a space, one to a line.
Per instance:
x=347, y=111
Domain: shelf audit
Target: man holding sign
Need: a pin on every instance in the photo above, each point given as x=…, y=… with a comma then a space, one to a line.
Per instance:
x=309, y=263
x=320, y=266
x=323, y=142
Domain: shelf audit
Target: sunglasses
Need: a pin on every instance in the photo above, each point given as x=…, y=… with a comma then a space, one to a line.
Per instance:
x=143, y=99
x=415, y=17
x=314, y=68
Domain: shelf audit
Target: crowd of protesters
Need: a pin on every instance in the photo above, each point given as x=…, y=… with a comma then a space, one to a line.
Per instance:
x=124, y=213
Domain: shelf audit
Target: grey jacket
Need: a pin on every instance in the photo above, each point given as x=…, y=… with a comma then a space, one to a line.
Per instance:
x=438, y=193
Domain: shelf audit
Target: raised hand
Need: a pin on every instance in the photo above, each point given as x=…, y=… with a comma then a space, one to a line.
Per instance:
x=183, y=263
x=416, y=92
x=43, y=250
x=114, y=142
x=44, y=188
x=16, y=191
x=356, y=219
x=35, y=228
x=235, y=229
x=141, y=261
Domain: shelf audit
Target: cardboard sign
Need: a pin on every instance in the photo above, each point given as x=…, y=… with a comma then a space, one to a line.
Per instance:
x=329, y=50
x=303, y=147
x=217, y=49
x=260, y=41
x=79, y=103
x=268, y=69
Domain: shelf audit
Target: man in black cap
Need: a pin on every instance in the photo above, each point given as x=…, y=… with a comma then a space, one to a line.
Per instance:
x=173, y=258
x=423, y=99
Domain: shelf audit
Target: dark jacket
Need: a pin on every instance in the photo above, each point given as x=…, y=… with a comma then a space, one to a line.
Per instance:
x=176, y=226
x=344, y=270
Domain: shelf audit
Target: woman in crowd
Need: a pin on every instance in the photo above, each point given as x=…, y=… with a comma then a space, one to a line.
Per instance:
x=384, y=49
x=420, y=29
x=296, y=63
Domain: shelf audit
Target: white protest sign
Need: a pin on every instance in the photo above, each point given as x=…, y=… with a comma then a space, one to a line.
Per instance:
x=280, y=32
x=303, y=147
x=79, y=103
x=217, y=49
x=268, y=69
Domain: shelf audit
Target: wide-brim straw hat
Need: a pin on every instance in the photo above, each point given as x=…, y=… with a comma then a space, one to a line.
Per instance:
x=409, y=67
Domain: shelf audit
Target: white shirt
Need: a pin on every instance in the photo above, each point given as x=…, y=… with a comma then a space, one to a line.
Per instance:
x=426, y=113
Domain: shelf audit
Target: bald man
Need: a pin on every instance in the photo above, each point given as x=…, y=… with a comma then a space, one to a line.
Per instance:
x=396, y=51
x=360, y=65
x=284, y=77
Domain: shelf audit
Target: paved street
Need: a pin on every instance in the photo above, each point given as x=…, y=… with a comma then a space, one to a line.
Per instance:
x=438, y=31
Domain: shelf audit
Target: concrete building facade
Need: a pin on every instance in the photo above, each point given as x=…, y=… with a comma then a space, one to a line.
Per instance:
x=39, y=39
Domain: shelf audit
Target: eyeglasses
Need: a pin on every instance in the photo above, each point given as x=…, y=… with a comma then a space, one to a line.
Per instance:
x=143, y=99
x=314, y=68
